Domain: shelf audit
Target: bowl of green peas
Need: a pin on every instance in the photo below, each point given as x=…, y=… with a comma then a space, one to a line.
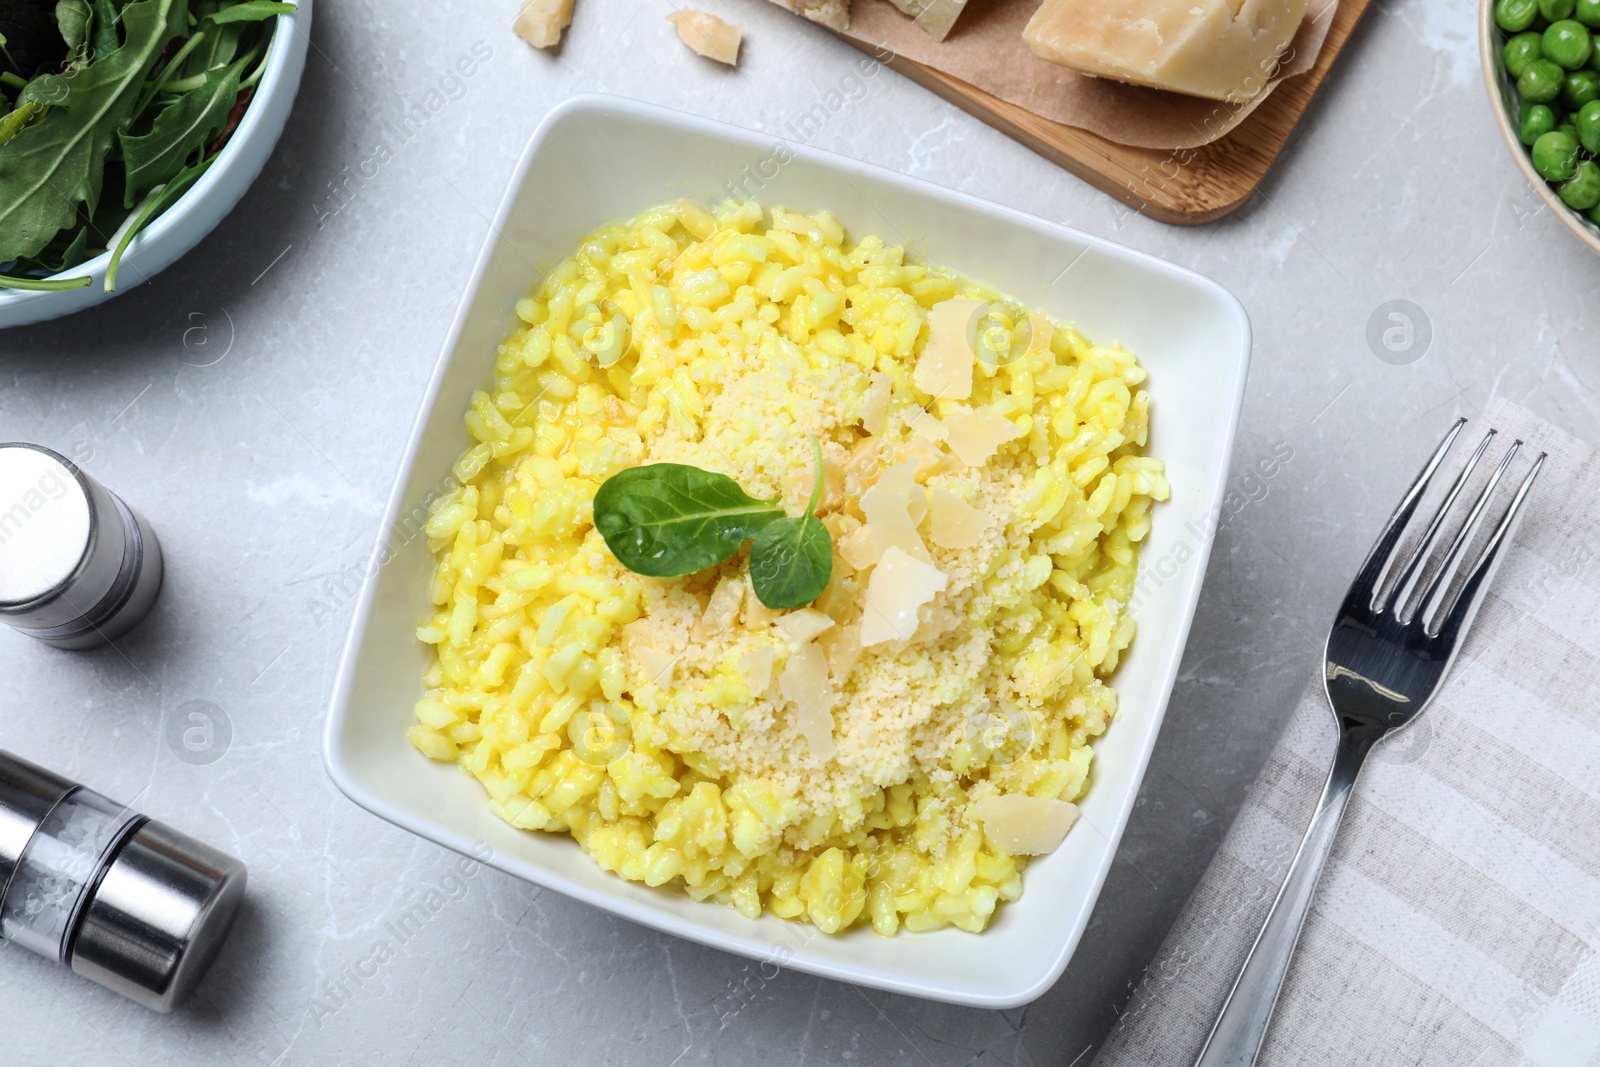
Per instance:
x=1541, y=60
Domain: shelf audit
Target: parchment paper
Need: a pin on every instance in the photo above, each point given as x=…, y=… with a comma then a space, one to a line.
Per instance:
x=986, y=49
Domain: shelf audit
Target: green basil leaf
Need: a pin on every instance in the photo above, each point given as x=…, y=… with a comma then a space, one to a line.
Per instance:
x=791, y=561
x=181, y=129
x=669, y=519
x=58, y=162
x=250, y=11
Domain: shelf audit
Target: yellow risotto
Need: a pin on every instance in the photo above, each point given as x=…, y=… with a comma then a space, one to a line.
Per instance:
x=888, y=754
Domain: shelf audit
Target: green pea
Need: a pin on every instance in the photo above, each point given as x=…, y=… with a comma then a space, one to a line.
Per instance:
x=1594, y=214
x=1541, y=82
x=1568, y=43
x=1555, y=156
x=1587, y=12
x=1538, y=121
x=1580, y=87
x=1569, y=129
x=1556, y=10
x=1581, y=191
x=1522, y=50
x=1587, y=123
x=1514, y=16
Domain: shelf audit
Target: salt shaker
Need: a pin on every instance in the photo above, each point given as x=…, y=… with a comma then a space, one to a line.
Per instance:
x=119, y=898
x=78, y=567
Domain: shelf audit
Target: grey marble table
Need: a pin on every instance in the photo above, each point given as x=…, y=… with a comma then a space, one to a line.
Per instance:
x=252, y=399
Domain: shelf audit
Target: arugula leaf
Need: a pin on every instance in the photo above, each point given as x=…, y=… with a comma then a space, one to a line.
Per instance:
x=47, y=89
x=671, y=519
x=250, y=11
x=157, y=201
x=44, y=284
x=221, y=48
x=791, y=560
x=17, y=121
x=180, y=129
x=77, y=249
x=50, y=167
x=105, y=28
x=72, y=19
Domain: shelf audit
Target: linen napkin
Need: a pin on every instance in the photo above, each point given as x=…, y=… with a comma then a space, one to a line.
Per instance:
x=1458, y=920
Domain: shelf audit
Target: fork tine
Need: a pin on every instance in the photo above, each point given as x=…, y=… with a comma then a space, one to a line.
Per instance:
x=1413, y=569
x=1370, y=579
x=1471, y=597
x=1439, y=586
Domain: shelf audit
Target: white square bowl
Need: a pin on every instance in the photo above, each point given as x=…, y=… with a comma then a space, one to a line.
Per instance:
x=598, y=158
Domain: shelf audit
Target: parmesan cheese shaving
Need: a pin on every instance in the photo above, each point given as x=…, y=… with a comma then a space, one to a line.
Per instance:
x=804, y=683
x=887, y=506
x=802, y=624
x=924, y=456
x=956, y=524
x=855, y=548
x=926, y=426
x=875, y=405
x=900, y=584
x=656, y=664
x=944, y=370
x=757, y=614
x=1024, y=825
x=842, y=646
x=723, y=607
x=755, y=667
x=977, y=433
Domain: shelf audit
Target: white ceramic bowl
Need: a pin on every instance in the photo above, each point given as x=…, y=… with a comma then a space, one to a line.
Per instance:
x=1503, y=100
x=197, y=212
x=598, y=158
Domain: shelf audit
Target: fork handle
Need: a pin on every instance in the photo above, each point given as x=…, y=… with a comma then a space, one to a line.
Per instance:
x=1236, y=1038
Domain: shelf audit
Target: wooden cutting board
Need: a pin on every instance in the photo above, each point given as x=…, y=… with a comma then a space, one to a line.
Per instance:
x=1214, y=179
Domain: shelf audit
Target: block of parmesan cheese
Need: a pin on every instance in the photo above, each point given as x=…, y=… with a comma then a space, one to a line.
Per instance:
x=1220, y=49
x=936, y=17
x=540, y=22
x=834, y=14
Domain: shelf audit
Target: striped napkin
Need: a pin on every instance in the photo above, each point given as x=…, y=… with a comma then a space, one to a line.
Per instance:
x=1458, y=921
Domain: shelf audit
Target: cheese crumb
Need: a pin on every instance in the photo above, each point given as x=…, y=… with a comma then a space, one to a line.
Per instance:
x=708, y=35
x=900, y=584
x=944, y=370
x=540, y=22
x=1023, y=825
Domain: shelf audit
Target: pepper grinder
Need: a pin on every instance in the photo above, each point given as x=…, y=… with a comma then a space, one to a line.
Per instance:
x=78, y=567
x=123, y=900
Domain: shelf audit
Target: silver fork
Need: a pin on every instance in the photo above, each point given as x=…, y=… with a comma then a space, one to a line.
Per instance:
x=1389, y=649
